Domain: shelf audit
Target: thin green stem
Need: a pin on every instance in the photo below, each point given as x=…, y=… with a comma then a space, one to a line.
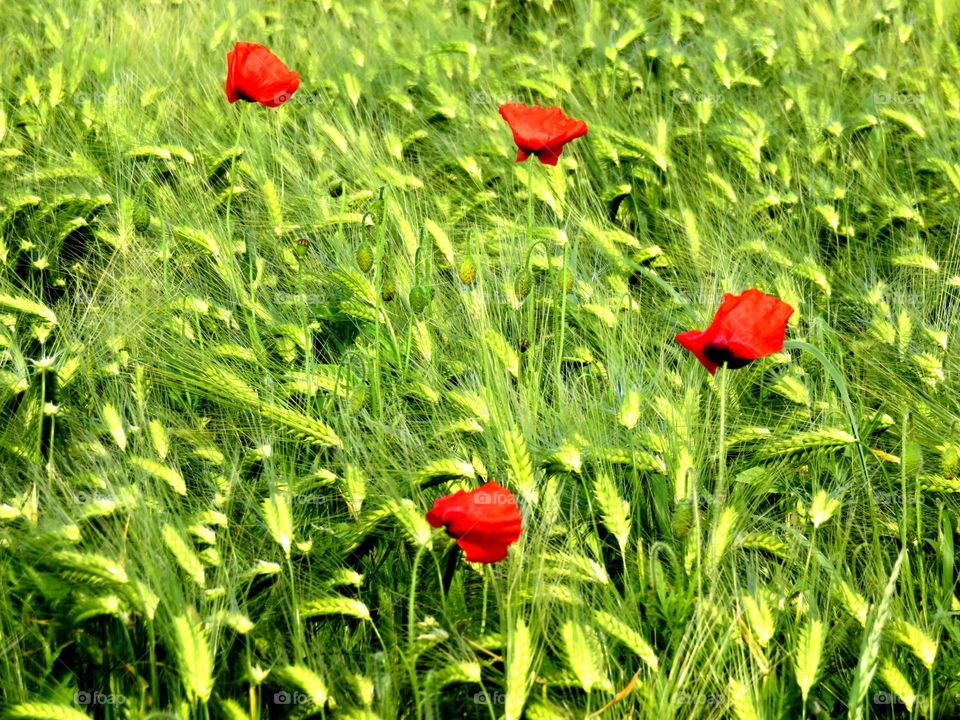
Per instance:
x=411, y=629
x=529, y=203
x=721, y=487
x=561, y=324
x=297, y=626
x=813, y=541
x=152, y=659
x=411, y=608
x=531, y=298
x=905, y=522
x=699, y=537
x=251, y=262
x=531, y=305
x=43, y=402
x=233, y=165
x=483, y=612
x=53, y=425
x=307, y=335
x=376, y=398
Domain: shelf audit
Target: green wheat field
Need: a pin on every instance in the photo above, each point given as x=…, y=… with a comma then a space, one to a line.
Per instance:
x=244, y=349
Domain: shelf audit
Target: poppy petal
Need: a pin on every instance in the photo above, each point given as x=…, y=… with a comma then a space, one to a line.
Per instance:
x=550, y=155
x=482, y=552
x=542, y=131
x=695, y=341
x=255, y=74
x=756, y=326
x=233, y=59
x=484, y=521
x=745, y=328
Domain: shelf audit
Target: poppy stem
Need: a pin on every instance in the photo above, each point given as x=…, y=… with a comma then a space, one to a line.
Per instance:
x=297, y=626
x=562, y=321
x=531, y=245
x=532, y=303
x=483, y=613
x=529, y=259
x=233, y=165
x=376, y=400
x=411, y=609
x=719, y=495
x=411, y=626
x=529, y=203
x=251, y=263
x=451, y=567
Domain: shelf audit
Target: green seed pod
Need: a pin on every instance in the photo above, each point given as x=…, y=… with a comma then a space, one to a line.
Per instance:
x=523, y=284
x=301, y=248
x=364, y=258
x=682, y=517
x=141, y=217
x=418, y=299
x=565, y=280
x=358, y=398
x=388, y=290
x=467, y=271
x=911, y=457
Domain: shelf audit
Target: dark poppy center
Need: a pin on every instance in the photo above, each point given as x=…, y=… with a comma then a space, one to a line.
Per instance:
x=721, y=354
x=241, y=95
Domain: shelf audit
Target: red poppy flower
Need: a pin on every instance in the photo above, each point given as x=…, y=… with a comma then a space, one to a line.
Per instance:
x=541, y=131
x=255, y=74
x=483, y=521
x=745, y=328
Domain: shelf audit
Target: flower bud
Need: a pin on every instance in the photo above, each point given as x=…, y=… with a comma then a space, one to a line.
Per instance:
x=364, y=258
x=418, y=299
x=467, y=271
x=523, y=284
x=388, y=290
x=682, y=517
x=141, y=217
x=565, y=280
x=302, y=246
